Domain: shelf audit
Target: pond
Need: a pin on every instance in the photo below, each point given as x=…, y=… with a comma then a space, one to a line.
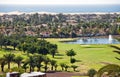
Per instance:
x=91, y=40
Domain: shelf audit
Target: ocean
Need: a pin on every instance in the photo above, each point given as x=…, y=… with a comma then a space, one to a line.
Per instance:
x=60, y=8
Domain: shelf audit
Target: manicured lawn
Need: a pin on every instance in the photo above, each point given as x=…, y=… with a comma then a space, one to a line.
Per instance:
x=88, y=56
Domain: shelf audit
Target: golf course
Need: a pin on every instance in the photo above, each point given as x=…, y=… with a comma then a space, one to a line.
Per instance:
x=87, y=56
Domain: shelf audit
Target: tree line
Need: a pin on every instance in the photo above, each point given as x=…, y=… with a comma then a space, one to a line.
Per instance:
x=28, y=44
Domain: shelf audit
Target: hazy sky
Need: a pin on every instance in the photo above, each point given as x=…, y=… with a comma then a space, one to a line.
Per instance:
x=59, y=2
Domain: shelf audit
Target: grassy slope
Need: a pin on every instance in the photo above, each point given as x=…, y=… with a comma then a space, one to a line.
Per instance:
x=91, y=56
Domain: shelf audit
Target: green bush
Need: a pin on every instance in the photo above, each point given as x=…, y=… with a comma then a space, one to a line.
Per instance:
x=1, y=75
x=91, y=72
x=15, y=69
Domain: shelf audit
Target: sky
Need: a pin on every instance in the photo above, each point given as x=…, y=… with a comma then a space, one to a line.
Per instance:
x=44, y=2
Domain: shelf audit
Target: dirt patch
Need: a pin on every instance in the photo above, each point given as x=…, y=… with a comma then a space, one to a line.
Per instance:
x=105, y=63
x=63, y=74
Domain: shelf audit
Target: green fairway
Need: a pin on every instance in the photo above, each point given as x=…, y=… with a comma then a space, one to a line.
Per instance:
x=88, y=56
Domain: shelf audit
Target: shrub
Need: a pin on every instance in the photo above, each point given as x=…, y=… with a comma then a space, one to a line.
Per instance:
x=91, y=72
x=72, y=60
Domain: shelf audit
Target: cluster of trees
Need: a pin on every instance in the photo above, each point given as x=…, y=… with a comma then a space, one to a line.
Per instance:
x=28, y=44
x=33, y=61
x=36, y=52
x=65, y=66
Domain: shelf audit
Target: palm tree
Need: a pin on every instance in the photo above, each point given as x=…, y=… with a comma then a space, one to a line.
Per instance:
x=53, y=49
x=74, y=67
x=1, y=40
x=24, y=47
x=62, y=66
x=25, y=66
x=70, y=53
x=9, y=58
x=66, y=67
x=116, y=51
x=32, y=63
x=18, y=60
x=2, y=63
x=55, y=66
x=40, y=59
x=43, y=50
x=52, y=52
x=14, y=43
x=46, y=62
x=53, y=63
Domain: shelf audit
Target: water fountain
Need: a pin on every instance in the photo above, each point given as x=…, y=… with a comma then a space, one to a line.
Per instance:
x=110, y=39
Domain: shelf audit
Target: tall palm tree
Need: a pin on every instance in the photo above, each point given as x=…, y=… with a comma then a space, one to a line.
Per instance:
x=53, y=49
x=66, y=67
x=53, y=63
x=56, y=65
x=62, y=66
x=116, y=51
x=25, y=66
x=9, y=58
x=46, y=62
x=74, y=67
x=39, y=60
x=18, y=60
x=32, y=63
x=70, y=53
x=2, y=63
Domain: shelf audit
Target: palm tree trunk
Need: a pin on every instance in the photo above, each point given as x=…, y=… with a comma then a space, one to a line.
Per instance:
x=40, y=66
x=18, y=65
x=65, y=69
x=2, y=68
x=55, y=69
x=1, y=46
x=46, y=68
x=8, y=65
x=62, y=68
x=14, y=47
x=30, y=69
x=74, y=69
x=52, y=68
x=38, y=69
x=33, y=68
x=53, y=55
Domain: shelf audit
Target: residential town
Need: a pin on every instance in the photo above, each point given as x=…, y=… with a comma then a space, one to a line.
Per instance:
x=60, y=25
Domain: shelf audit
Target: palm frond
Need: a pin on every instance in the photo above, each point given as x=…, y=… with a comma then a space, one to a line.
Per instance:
x=117, y=52
x=117, y=58
x=118, y=48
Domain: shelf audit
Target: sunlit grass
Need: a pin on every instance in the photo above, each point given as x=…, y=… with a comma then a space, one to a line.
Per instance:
x=88, y=56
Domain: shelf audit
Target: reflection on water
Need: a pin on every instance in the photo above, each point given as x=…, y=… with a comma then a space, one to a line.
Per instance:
x=94, y=41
